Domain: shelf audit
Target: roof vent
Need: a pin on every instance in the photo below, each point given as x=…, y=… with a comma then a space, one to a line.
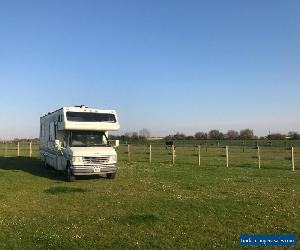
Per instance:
x=81, y=106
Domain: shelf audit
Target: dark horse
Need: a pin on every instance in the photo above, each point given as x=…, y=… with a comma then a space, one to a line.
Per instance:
x=169, y=144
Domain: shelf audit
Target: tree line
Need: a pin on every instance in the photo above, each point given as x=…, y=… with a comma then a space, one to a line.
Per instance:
x=214, y=134
x=244, y=134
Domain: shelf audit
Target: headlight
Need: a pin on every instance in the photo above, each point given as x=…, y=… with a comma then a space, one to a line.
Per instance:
x=76, y=159
x=113, y=158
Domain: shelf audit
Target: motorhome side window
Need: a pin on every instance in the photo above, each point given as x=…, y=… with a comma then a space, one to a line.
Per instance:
x=55, y=131
x=42, y=130
x=52, y=132
x=90, y=117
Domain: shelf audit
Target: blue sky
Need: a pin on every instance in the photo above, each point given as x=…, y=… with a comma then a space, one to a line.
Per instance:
x=168, y=66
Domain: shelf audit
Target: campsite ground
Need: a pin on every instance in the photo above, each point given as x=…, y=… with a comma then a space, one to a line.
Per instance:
x=158, y=205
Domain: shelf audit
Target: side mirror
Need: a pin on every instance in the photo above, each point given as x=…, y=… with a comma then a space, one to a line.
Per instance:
x=57, y=144
x=115, y=143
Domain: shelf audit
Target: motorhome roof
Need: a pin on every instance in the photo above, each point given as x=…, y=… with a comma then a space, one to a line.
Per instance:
x=86, y=109
x=49, y=113
x=80, y=108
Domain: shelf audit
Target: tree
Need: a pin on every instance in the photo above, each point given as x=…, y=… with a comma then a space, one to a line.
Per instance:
x=215, y=134
x=294, y=135
x=232, y=134
x=113, y=137
x=276, y=136
x=144, y=133
x=179, y=136
x=168, y=138
x=200, y=136
x=127, y=135
x=246, y=134
x=134, y=136
x=190, y=137
x=130, y=136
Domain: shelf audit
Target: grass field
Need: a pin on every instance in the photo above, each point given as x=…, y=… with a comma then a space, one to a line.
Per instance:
x=150, y=206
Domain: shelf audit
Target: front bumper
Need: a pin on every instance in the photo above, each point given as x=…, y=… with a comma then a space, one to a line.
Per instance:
x=93, y=169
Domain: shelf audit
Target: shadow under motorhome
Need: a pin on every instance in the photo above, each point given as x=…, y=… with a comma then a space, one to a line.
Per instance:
x=75, y=140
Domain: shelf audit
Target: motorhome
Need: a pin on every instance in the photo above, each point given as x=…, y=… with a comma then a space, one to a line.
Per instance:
x=75, y=140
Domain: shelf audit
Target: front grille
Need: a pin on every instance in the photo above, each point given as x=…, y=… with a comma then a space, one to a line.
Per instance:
x=96, y=160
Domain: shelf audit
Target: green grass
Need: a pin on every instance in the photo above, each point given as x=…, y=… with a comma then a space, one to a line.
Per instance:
x=150, y=206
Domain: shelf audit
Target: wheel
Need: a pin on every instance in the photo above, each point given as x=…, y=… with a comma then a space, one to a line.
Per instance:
x=70, y=176
x=111, y=176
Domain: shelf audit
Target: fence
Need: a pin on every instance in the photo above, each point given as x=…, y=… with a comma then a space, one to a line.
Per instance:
x=260, y=157
x=221, y=143
x=201, y=155
x=20, y=148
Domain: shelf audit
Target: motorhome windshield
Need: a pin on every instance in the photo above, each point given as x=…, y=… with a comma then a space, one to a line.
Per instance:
x=90, y=117
x=88, y=139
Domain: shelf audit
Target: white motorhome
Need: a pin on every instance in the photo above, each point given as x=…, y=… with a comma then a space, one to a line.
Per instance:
x=74, y=140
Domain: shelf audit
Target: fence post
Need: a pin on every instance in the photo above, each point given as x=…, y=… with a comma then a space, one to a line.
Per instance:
x=150, y=153
x=30, y=149
x=128, y=151
x=258, y=156
x=5, y=149
x=227, y=157
x=173, y=154
x=199, y=155
x=293, y=159
x=18, y=148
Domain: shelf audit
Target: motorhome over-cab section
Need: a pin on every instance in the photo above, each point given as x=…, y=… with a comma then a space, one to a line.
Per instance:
x=83, y=118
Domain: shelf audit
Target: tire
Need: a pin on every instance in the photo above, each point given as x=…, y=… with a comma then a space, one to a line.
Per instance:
x=70, y=176
x=111, y=176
